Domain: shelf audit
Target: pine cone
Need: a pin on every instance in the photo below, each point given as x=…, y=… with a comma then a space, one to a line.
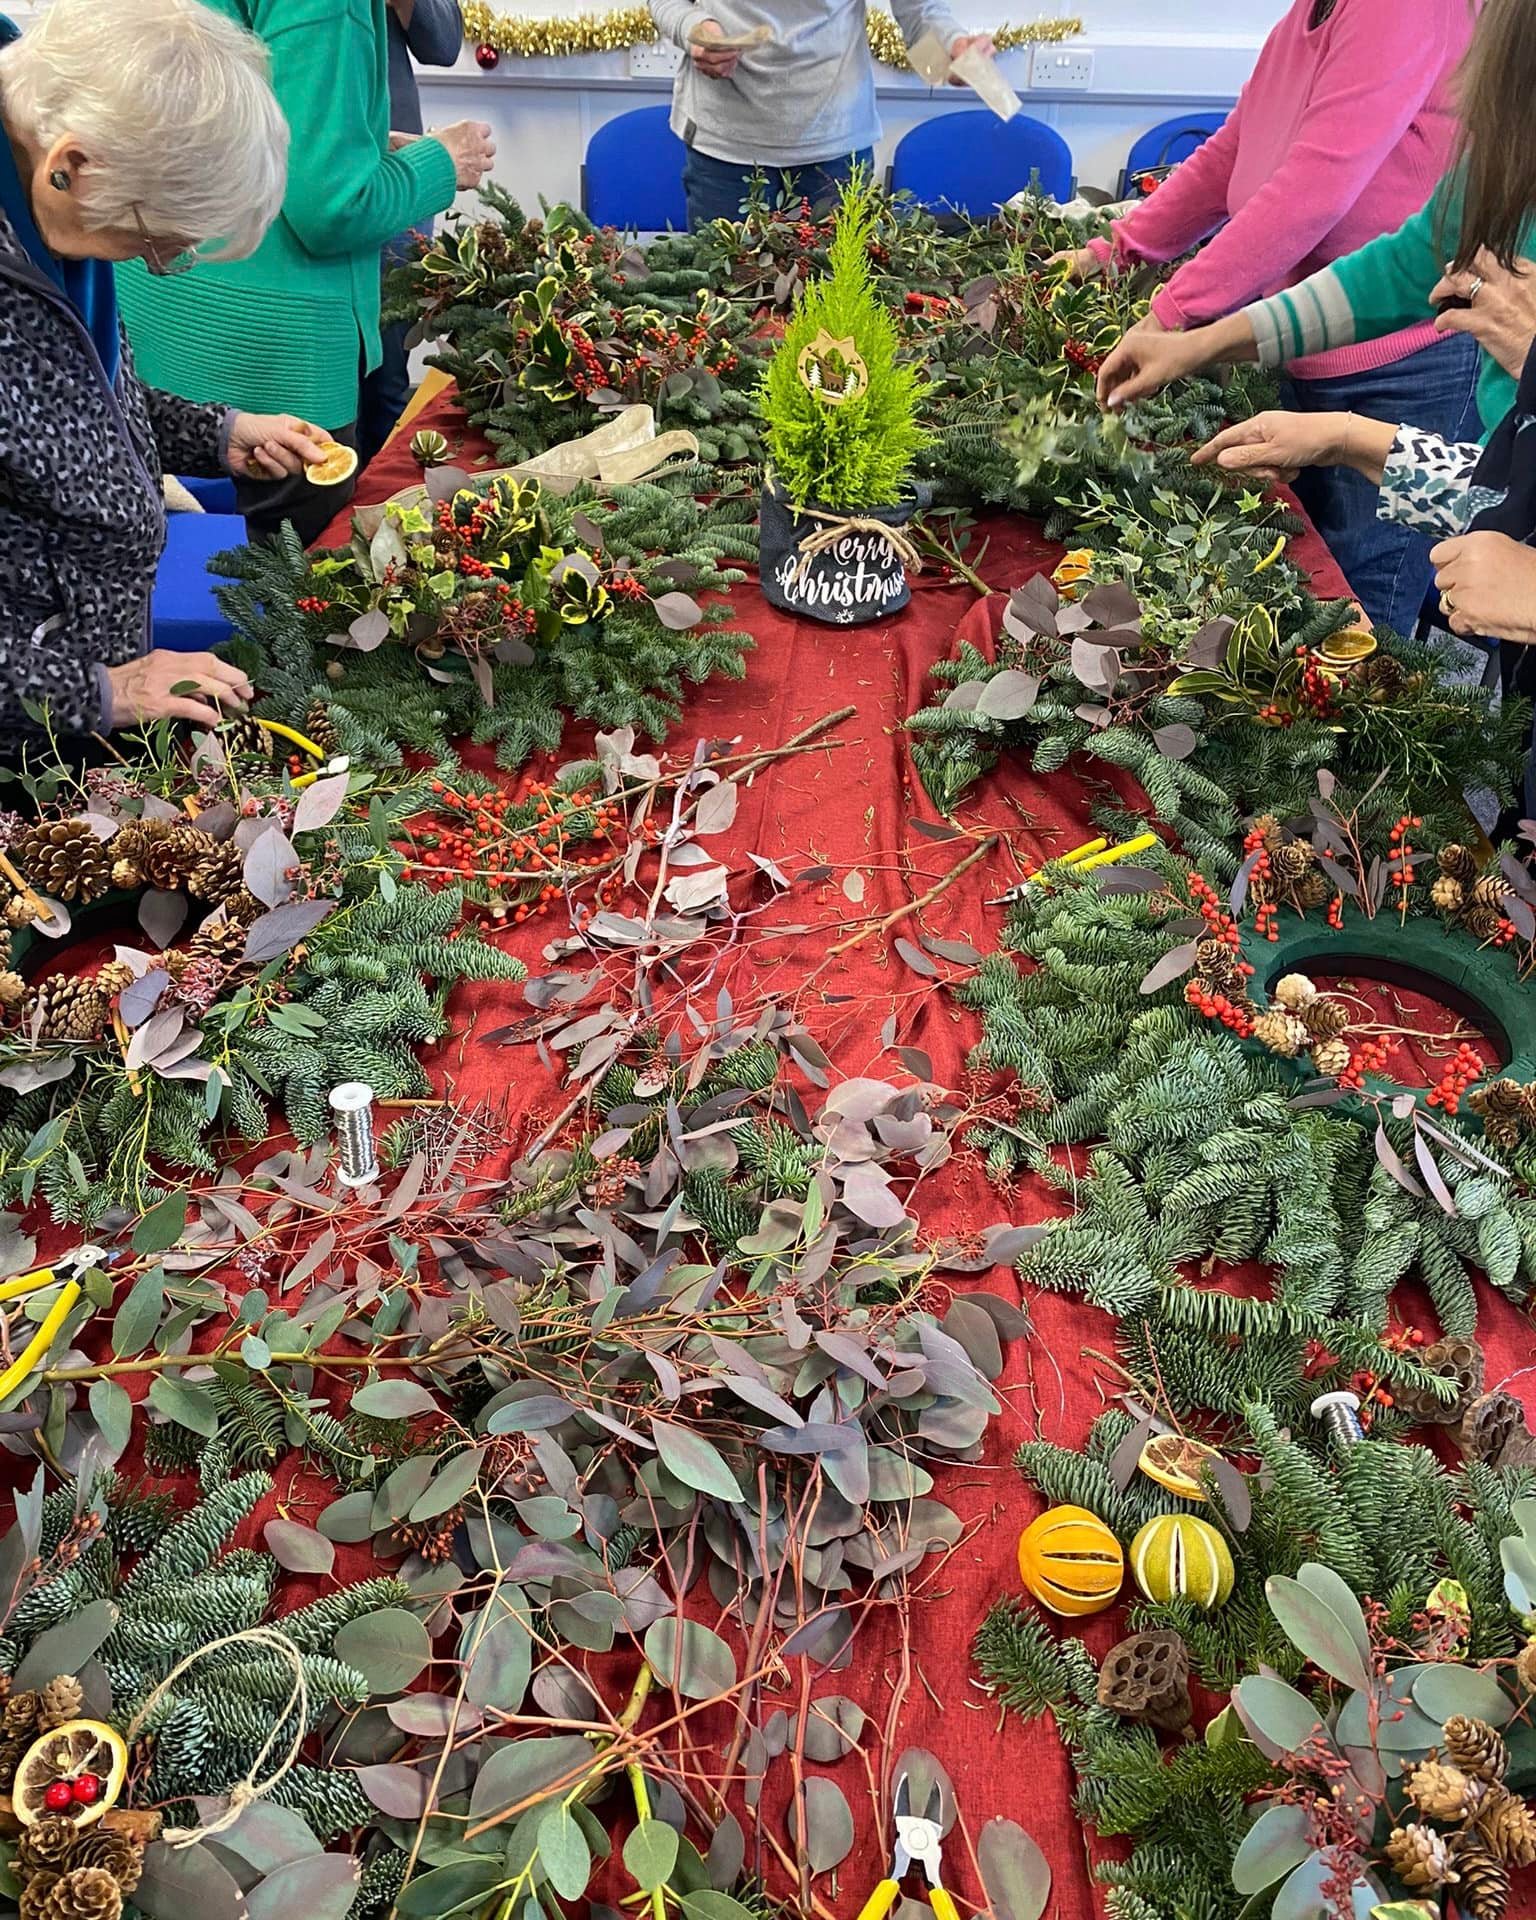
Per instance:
x=1291, y=862
x=219, y=938
x=133, y=841
x=1505, y=1822
x=1281, y=1032
x=17, y=912
x=1212, y=956
x=1449, y=895
x=1476, y=1748
x=1261, y=891
x=46, y=1846
x=1483, y=1892
x=1295, y=992
x=1457, y=863
x=1492, y=891
x=248, y=739
x=1525, y=1666
x=1441, y=1792
x=1325, y=1019
x=1314, y=889
x=13, y=990
x=243, y=907
x=218, y=874
x=1382, y=676
x=1331, y=1058
x=1269, y=830
x=320, y=727
x=127, y=877
x=113, y=977
x=20, y=1719
x=33, y=1904
x=11, y=1751
x=169, y=862
x=64, y=859
x=1504, y=1098
x=85, y=1893
x=72, y=1007
x=1420, y=1857
x=62, y=1699
x=113, y=1852
x=1482, y=922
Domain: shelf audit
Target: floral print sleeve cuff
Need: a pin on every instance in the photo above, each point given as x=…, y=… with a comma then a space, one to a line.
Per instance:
x=1426, y=483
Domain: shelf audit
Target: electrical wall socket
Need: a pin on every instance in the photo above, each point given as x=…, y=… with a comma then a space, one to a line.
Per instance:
x=1061, y=70
x=658, y=62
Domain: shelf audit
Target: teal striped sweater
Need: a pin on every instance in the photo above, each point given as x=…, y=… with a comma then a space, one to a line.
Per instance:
x=1379, y=289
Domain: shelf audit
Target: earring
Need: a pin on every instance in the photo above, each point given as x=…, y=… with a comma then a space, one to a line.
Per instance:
x=59, y=180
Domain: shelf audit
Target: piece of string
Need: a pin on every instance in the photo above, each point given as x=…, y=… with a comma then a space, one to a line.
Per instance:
x=836, y=526
x=252, y=1787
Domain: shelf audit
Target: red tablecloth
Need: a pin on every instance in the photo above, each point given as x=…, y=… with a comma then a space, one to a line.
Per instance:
x=852, y=808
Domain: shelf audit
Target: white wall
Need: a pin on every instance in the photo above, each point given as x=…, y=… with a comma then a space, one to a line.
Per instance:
x=1151, y=59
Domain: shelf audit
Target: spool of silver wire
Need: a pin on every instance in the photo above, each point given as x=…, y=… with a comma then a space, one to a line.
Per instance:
x=357, y=1164
x=1340, y=1415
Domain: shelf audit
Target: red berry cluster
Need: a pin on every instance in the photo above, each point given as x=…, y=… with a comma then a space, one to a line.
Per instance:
x=1370, y=1056
x=1401, y=858
x=1270, y=715
x=312, y=603
x=481, y=845
x=1507, y=931
x=474, y=569
x=1336, y=912
x=1463, y=1068
x=515, y=616
x=1317, y=690
x=1219, y=925
x=1077, y=353
x=1217, y=1006
x=591, y=372
x=84, y=1790
x=624, y=586
x=805, y=226
x=1268, y=912
x=1372, y=1395
x=467, y=531
x=1402, y=1339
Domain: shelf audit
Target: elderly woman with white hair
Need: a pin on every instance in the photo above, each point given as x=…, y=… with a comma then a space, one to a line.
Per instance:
x=134, y=129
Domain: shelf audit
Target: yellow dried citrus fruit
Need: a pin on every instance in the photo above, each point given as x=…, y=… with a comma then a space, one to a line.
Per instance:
x=1178, y=1556
x=87, y=1756
x=340, y=463
x=1070, y=1561
x=1176, y=1463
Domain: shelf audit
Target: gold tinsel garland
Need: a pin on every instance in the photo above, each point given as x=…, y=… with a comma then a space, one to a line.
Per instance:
x=556, y=36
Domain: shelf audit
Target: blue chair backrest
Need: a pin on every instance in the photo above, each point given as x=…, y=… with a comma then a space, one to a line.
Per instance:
x=973, y=162
x=633, y=174
x=1171, y=141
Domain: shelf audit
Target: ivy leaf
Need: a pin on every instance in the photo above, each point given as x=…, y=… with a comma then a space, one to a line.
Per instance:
x=650, y=1854
x=700, y=1668
x=1015, y=1875
x=691, y=1458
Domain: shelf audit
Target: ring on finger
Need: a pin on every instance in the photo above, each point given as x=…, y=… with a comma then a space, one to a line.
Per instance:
x=1475, y=289
x=1447, y=604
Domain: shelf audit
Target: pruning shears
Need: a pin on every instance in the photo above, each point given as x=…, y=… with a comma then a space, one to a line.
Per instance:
x=68, y=1269
x=919, y=1842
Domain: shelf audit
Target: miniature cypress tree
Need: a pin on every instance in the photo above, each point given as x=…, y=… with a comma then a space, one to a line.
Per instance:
x=855, y=451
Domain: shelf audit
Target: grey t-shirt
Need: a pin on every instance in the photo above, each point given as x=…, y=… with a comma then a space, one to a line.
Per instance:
x=808, y=95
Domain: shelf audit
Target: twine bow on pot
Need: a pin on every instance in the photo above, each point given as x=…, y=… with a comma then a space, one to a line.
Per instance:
x=836, y=526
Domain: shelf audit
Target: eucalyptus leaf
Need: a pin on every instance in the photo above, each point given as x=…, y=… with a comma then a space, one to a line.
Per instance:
x=1445, y=1689
x=1277, y=1842
x=1317, y=1629
x=563, y=1852
x=1279, y=1719
x=828, y=1824
x=689, y=1457
x=699, y=1663
x=1015, y=1874
x=322, y=1887
x=67, y=1647
x=650, y=1854
x=389, y=1648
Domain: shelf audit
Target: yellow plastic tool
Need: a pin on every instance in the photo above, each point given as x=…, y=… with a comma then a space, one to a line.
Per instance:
x=47, y=1333
x=919, y=1842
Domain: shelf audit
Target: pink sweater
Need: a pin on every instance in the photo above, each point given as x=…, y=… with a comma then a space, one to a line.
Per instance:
x=1340, y=134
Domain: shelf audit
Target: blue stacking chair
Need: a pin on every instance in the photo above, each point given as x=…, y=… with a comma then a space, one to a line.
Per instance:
x=632, y=176
x=971, y=162
x=185, y=615
x=213, y=496
x=1166, y=144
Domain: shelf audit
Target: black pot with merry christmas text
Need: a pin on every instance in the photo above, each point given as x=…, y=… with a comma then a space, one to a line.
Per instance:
x=831, y=565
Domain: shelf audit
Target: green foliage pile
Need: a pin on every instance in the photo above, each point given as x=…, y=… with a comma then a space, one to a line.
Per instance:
x=858, y=452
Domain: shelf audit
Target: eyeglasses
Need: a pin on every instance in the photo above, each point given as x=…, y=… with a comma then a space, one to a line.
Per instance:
x=163, y=265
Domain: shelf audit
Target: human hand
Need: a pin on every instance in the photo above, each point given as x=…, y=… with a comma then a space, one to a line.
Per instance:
x=1500, y=309
x=269, y=446
x=1148, y=323
x=399, y=140
x=143, y=689
x=1274, y=447
x=1081, y=263
x=715, y=63
x=1145, y=362
x=1487, y=584
x=472, y=148
x=981, y=44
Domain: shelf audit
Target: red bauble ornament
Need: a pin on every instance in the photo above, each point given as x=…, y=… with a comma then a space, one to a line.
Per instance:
x=60, y=1794
x=87, y=1789
x=487, y=55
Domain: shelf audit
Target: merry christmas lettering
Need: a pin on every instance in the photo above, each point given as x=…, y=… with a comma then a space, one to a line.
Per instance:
x=858, y=571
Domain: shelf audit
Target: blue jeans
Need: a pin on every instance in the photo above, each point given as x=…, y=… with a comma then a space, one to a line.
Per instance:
x=1386, y=565
x=715, y=189
x=386, y=393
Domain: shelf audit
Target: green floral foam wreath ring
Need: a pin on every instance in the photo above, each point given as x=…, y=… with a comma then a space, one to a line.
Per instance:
x=1478, y=982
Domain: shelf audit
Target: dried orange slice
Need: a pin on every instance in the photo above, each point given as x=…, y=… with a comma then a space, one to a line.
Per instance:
x=81, y=1751
x=1177, y=1464
x=340, y=463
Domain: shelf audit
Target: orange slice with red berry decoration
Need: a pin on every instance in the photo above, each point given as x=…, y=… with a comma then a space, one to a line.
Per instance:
x=76, y=1771
x=1177, y=1464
